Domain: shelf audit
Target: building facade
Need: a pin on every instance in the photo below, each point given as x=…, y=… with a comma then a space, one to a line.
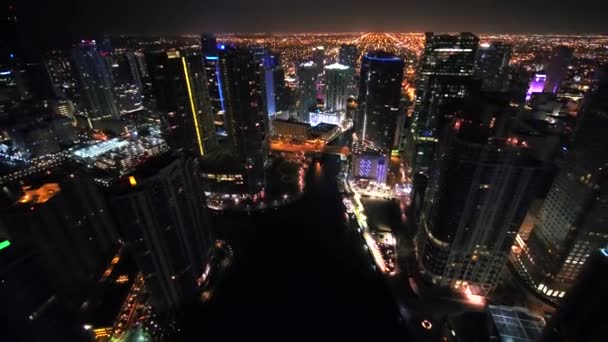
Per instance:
x=379, y=98
x=478, y=194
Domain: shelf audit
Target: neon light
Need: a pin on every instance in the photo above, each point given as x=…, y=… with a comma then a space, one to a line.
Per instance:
x=383, y=59
x=222, y=47
x=4, y=244
x=132, y=181
x=211, y=58
x=604, y=251
x=4, y=73
x=192, y=107
x=219, y=85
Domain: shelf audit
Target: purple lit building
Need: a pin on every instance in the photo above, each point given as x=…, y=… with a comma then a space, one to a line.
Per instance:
x=537, y=85
x=371, y=166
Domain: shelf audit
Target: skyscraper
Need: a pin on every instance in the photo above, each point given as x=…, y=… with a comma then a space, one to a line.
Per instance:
x=581, y=314
x=60, y=69
x=178, y=82
x=57, y=238
x=348, y=55
x=479, y=191
x=492, y=66
x=95, y=81
x=245, y=120
x=379, y=98
x=161, y=205
x=10, y=51
x=557, y=70
x=572, y=220
x=64, y=218
x=307, y=89
x=338, y=78
x=212, y=69
x=318, y=57
x=444, y=79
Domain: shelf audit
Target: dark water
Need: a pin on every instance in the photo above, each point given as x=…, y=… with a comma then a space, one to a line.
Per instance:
x=298, y=273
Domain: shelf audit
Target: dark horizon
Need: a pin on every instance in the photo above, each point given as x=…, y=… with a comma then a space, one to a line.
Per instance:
x=70, y=20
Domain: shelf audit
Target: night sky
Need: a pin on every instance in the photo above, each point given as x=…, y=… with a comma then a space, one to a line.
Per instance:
x=60, y=19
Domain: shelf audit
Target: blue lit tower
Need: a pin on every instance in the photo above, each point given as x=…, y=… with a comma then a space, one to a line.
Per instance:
x=245, y=118
x=338, y=79
x=162, y=207
x=379, y=97
x=444, y=79
x=479, y=191
x=572, y=220
x=307, y=89
x=492, y=66
x=179, y=87
x=95, y=81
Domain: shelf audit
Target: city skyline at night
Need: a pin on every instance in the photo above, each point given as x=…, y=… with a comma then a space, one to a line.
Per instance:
x=359, y=170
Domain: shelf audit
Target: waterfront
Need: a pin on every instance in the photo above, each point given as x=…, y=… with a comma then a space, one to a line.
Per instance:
x=299, y=272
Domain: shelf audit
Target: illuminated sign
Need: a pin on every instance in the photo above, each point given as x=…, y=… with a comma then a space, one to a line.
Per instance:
x=132, y=181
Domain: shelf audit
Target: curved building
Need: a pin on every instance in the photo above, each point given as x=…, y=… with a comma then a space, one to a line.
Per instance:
x=477, y=197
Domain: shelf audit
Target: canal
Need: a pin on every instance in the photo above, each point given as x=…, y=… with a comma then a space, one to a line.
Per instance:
x=298, y=273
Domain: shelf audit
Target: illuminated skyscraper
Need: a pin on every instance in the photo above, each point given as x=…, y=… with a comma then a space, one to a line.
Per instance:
x=307, y=90
x=60, y=69
x=245, y=119
x=338, y=78
x=557, y=70
x=492, y=66
x=444, y=79
x=162, y=207
x=572, y=221
x=379, y=97
x=178, y=82
x=212, y=69
x=95, y=82
x=479, y=191
x=348, y=55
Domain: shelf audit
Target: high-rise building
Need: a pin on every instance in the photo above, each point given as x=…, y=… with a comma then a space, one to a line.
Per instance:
x=379, y=98
x=245, y=119
x=162, y=207
x=444, y=80
x=572, y=220
x=95, y=82
x=178, y=82
x=127, y=81
x=478, y=193
x=338, y=78
x=211, y=63
x=307, y=89
x=492, y=66
x=348, y=55
x=63, y=217
x=10, y=51
x=318, y=57
x=57, y=238
x=60, y=69
x=557, y=70
x=581, y=314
